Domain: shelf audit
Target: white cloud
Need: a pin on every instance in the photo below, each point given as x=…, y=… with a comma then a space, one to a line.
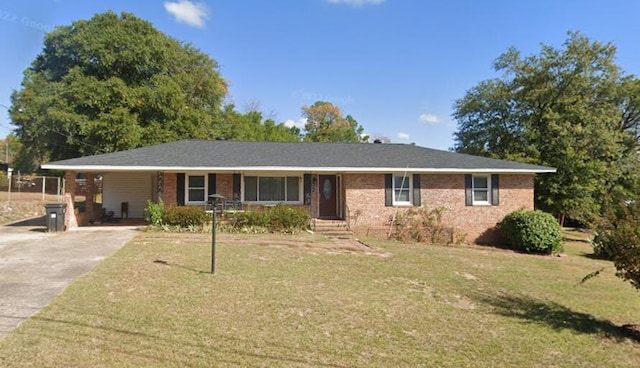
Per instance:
x=403, y=136
x=299, y=124
x=429, y=119
x=356, y=3
x=194, y=14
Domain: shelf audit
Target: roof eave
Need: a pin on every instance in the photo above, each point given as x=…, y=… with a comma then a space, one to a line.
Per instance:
x=112, y=168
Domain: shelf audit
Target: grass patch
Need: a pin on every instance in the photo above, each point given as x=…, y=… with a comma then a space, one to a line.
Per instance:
x=306, y=302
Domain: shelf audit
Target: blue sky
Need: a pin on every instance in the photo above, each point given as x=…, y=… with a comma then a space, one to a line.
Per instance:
x=397, y=66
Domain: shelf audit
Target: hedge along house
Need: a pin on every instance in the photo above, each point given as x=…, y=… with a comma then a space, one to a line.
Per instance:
x=363, y=184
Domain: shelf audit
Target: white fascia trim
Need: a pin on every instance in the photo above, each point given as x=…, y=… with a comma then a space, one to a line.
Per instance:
x=108, y=168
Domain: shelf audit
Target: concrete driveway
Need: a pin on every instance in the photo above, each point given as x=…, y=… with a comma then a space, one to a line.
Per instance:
x=36, y=266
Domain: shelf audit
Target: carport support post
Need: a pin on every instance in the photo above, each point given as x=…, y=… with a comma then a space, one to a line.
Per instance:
x=89, y=194
x=70, y=220
x=214, y=201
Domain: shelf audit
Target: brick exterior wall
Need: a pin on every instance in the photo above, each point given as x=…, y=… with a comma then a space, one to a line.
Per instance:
x=70, y=183
x=365, y=198
x=70, y=220
x=224, y=186
x=169, y=187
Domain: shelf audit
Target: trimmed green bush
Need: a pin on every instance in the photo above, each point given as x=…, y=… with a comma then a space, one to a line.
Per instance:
x=184, y=216
x=532, y=232
x=285, y=218
x=280, y=218
x=249, y=218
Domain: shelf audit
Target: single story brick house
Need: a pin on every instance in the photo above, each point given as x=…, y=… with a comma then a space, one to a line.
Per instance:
x=364, y=184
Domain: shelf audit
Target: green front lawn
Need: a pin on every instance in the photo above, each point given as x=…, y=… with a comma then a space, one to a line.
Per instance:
x=302, y=301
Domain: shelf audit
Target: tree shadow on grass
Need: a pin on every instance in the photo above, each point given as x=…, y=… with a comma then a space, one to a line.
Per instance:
x=594, y=256
x=557, y=316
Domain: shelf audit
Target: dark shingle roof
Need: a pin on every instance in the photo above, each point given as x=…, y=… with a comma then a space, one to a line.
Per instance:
x=234, y=155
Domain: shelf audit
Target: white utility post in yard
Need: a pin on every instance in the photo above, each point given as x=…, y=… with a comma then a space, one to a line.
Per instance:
x=9, y=171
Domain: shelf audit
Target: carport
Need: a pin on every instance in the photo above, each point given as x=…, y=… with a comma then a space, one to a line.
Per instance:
x=124, y=197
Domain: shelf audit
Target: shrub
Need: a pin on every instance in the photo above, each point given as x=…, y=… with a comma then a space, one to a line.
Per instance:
x=184, y=216
x=288, y=219
x=601, y=246
x=618, y=239
x=532, y=232
x=249, y=218
x=423, y=225
x=154, y=212
x=280, y=218
x=4, y=179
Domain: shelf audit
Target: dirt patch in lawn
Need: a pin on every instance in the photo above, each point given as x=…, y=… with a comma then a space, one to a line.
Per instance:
x=309, y=243
x=325, y=246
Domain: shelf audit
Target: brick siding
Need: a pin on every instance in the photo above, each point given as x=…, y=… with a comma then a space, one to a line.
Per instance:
x=224, y=186
x=70, y=220
x=169, y=187
x=365, y=198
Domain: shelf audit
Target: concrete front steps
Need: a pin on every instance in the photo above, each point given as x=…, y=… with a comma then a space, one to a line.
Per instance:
x=337, y=228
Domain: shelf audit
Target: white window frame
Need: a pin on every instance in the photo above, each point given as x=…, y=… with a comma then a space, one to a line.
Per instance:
x=187, y=200
x=396, y=202
x=274, y=175
x=488, y=189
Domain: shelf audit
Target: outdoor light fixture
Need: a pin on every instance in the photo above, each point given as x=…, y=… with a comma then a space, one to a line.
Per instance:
x=213, y=199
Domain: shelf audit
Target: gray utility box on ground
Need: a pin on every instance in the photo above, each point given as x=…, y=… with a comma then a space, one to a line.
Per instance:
x=55, y=216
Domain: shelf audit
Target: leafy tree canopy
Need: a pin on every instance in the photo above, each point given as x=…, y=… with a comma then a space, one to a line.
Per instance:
x=114, y=83
x=325, y=123
x=20, y=156
x=571, y=108
x=251, y=126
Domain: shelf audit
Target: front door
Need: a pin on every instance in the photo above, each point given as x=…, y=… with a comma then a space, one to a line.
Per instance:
x=327, y=192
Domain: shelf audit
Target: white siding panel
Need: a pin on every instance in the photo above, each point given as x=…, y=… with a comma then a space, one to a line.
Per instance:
x=134, y=188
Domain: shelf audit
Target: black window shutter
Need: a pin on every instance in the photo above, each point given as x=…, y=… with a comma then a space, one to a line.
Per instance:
x=236, y=187
x=180, y=189
x=388, y=190
x=416, y=190
x=212, y=185
x=307, y=189
x=495, y=189
x=468, y=189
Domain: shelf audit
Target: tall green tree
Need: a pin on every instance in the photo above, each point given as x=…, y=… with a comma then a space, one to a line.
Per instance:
x=564, y=108
x=325, y=123
x=251, y=126
x=111, y=83
x=21, y=156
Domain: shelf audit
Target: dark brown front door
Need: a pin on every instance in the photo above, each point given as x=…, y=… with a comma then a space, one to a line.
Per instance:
x=327, y=193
